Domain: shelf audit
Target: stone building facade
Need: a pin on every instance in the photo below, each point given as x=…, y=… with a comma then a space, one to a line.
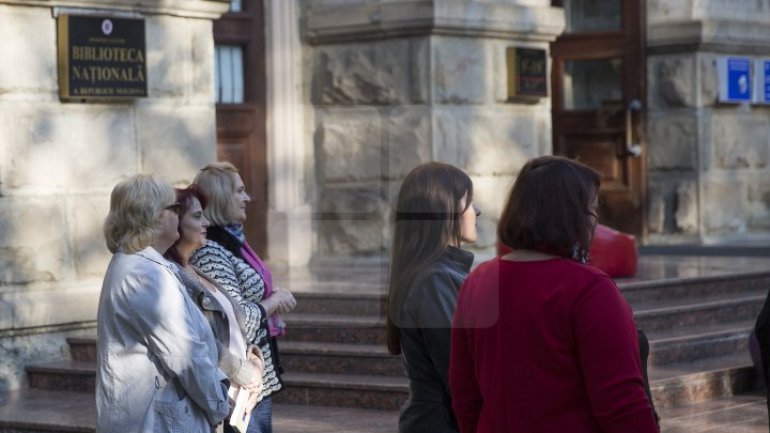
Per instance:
x=358, y=93
x=390, y=84
x=59, y=161
x=395, y=84
x=709, y=171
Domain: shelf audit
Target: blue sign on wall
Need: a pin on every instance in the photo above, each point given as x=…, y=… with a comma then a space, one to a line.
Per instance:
x=734, y=79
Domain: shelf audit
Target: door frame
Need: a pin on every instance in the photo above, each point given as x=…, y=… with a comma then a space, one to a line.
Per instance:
x=602, y=46
x=234, y=121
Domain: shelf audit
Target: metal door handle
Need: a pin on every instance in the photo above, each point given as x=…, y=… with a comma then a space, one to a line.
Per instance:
x=632, y=149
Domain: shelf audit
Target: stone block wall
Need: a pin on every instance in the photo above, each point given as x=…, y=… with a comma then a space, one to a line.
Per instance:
x=708, y=161
x=390, y=92
x=59, y=162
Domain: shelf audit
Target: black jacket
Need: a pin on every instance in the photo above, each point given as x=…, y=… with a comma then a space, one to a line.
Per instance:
x=762, y=331
x=425, y=332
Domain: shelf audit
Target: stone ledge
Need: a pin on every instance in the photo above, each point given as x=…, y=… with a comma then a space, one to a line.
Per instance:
x=433, y=17
x=721, y=36
x=62, y=304
x=210, y=9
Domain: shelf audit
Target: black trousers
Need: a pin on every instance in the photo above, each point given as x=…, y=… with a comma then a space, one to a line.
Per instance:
x=644, y=353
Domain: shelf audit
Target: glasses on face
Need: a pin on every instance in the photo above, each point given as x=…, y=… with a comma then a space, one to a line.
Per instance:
x=173, y=208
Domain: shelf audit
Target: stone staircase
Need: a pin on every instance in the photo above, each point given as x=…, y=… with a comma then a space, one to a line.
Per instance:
x=334, y=352
x=698, y=330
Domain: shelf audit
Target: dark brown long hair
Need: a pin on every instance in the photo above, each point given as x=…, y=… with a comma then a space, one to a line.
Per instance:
x=185, y=196
x=427, y=221
x=548, y=208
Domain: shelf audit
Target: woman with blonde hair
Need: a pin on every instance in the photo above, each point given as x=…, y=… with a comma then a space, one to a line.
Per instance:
x=434, y=217
x=156, y=355
x=228, y=260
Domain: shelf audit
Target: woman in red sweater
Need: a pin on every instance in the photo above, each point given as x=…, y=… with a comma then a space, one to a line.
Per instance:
x=540, y=341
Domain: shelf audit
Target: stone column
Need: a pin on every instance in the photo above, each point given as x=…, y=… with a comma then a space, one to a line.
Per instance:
x=59, y=161
x=396, y=84
x=289, y=217
x=708, y=162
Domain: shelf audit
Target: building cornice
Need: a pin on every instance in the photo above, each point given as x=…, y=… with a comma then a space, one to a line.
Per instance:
x=720, y=36
x=208, y=9
x=350, y=22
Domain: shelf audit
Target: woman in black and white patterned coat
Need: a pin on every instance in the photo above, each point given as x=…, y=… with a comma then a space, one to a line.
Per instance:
x=229, y=260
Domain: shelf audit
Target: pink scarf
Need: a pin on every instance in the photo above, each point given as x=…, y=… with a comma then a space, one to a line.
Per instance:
x=275, y=325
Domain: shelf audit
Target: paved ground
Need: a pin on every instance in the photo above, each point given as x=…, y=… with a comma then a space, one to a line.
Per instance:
x=739, y=414
x=318, y=419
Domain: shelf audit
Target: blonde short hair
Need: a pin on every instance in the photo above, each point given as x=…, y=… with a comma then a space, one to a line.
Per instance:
x=135, y=207
x=216, y=181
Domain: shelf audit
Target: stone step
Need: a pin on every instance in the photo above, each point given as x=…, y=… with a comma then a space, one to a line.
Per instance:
x=324, y=328
x=42, y=411
x=666, y=347
x=664, y=316
x=701, y=342
x=702, y=380
x=300, y=356
x=67, y=375
x=675, y=386
x=364, y=304
x=361, y=391
x=82, y=349
x=678, y=341
x=668, y=290
x=672, y=385
x=691, y=288
x=332, y=358
x=355, y=390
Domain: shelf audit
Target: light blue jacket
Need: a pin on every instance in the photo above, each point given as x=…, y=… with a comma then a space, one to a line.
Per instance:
x=156, y=355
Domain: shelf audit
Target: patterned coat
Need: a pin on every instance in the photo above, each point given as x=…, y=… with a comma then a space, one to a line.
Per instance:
x=220, y=259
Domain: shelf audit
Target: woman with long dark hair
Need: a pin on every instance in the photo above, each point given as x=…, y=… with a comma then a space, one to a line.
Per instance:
x=434, y=216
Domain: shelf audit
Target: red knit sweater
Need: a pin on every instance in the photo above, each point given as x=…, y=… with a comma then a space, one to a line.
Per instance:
x=546, y=346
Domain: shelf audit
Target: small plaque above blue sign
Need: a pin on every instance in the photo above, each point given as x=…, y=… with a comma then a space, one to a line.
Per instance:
x=762, y=81
x=735, y=81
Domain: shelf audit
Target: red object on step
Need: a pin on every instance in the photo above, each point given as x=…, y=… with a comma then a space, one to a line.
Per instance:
x=611, y=251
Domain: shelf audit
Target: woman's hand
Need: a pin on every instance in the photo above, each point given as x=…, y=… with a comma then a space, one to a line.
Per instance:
x=253, y=396
x=255, y=385
x=280, y=301
x=254, y=356
x=285, y=300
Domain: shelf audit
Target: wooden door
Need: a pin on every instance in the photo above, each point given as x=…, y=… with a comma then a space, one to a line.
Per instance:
x=598, y=99
x=241, y=100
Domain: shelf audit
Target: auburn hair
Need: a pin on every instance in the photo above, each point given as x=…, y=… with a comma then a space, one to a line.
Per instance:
x=184, y=197
x=548, y=208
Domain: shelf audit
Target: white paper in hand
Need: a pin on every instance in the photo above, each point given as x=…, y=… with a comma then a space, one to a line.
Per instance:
x=239, y=419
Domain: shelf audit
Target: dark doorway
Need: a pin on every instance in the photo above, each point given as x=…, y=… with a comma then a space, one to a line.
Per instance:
x=239, y=37
x=599, y=79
